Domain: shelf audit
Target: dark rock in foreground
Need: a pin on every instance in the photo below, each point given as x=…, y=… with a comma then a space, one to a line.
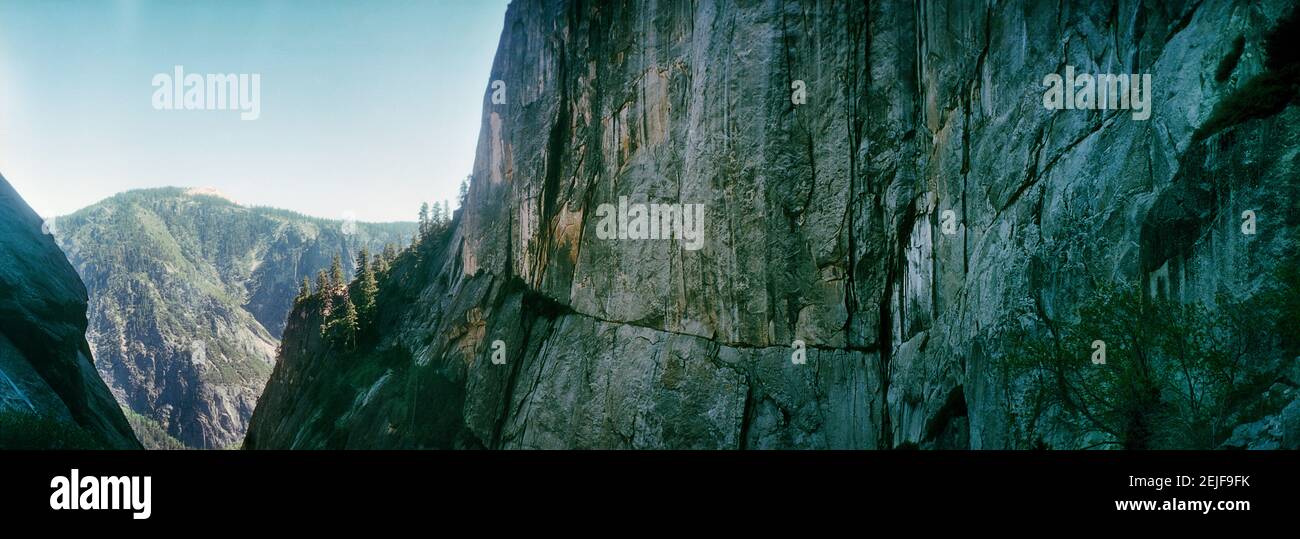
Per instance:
x=50, y=394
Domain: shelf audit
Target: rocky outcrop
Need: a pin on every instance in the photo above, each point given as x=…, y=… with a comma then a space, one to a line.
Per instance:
x=898, y=222
x=47, y=380
x=189, y=293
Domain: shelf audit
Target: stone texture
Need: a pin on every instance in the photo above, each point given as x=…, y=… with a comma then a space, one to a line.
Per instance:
x=822, y=221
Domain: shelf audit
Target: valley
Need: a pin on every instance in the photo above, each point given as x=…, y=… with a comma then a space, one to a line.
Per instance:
x=188, y=296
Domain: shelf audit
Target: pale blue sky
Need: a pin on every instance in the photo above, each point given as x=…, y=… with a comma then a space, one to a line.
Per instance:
x=368, y=107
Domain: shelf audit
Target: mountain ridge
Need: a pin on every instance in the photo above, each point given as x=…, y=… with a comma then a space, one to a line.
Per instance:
x=188, y=297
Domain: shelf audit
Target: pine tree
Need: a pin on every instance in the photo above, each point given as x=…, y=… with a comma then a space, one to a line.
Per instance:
x=446, y=211
x=367, y=291
x=424, y=220
x=362, y=261
x=464, y=190
x=322, y=282
x=336, y=274
x=326, y=301
x=304, y=291
x=347, y=325
x=435, y=217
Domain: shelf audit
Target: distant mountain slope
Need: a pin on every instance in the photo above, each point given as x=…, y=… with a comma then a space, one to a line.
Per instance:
x=188, y=297
x=50, y=394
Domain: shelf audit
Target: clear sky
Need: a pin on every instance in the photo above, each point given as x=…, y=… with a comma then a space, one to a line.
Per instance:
x=367, y=107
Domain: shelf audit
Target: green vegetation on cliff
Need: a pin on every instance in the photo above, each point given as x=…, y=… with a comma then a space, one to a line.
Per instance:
x=1150, y=373
x=339, y=336
x=151, y=434
x=24, y=430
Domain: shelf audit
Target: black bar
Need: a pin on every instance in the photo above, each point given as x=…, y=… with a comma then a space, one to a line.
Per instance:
x=328, y=487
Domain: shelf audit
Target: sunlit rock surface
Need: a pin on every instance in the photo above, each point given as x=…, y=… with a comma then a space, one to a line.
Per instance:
x=823, y=224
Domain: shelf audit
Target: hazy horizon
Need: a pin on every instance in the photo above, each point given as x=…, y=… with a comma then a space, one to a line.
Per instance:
x=366, y=110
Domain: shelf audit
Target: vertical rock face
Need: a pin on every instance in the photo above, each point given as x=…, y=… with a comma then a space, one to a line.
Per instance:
x=826, y=222
x=188, y=297
x=45, y=364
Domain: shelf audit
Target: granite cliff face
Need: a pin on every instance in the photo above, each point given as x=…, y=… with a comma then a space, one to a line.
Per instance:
x=50, y=394
x=188, y=297
x=920, y=204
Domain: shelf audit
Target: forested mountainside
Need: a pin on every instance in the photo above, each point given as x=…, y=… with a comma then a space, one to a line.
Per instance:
x=50, y=395
x=189, y=293
x=953, y=254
